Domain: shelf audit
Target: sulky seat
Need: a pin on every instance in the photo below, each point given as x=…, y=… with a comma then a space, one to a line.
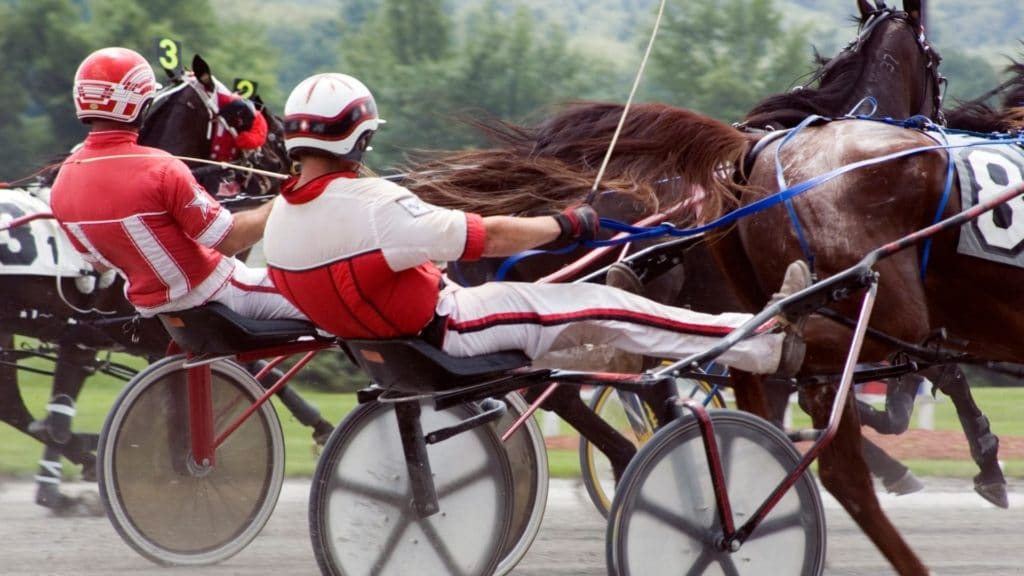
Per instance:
x=216, y=329
x=413, y=365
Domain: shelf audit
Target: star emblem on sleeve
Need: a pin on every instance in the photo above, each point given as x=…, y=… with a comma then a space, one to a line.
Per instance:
x=199, y=200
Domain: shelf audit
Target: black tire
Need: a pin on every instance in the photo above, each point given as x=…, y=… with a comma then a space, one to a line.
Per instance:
x=168, y=510
x=360, y=519
x=664, y=516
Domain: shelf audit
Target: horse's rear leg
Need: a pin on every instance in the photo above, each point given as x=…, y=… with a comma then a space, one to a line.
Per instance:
x=984, y=445
x=845, y=475
x=13, y=410
x=306, y=413
x=897, y=478
x=74, y=364
x=12, y=406
x=566, y=402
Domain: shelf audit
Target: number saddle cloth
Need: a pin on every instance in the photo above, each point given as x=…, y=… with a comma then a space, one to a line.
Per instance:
x=39, y=248
x=984, y=170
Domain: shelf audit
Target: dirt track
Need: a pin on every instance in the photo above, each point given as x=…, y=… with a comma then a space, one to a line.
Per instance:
x=951, y=528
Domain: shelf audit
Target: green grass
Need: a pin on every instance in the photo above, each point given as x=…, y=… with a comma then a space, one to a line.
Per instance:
x=19, y=454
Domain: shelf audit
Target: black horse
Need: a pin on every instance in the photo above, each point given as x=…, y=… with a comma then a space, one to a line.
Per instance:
x=50, y=295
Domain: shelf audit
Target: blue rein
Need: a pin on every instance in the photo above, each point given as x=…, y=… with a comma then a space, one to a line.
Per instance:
x=783, y=196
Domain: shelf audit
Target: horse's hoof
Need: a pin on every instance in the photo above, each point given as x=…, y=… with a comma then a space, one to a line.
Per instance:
x=623, y=277
x=89, y=470
x=907, y=484
x=994, y=492
x=85, y=503
x=322, y=431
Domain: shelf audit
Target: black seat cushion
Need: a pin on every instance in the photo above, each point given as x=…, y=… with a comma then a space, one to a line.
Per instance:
x=216, y=329
x=413, y=365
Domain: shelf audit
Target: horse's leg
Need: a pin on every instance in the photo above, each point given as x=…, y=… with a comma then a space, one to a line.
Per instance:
x=13, y=410
x=984, y=445
x=750, y=394
x=845, y=475
x=73, y=367
x=895, y=419
x=304, y=412
x=12, y=406
x=897, y=478
x=566, y=402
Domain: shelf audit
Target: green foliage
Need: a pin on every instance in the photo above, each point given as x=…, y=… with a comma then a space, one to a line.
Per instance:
x=720, y=57
x=493, y=63
x=330, y=371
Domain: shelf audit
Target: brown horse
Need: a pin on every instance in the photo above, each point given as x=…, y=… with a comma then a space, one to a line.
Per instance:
x=888, y=61
x=842, y=218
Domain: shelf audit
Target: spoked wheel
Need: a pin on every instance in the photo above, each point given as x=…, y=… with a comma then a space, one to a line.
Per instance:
x=362, y=520
x=527, y=455
x=595, y=467
x=664, y=517
x=166, y=507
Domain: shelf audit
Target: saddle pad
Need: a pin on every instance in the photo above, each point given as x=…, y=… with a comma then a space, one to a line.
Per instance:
x=985, y=171
x=39, y=248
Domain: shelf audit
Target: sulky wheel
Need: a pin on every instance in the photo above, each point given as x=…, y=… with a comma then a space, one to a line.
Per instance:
x=664, y=516
x=362, y=520
x=528, y=457
x=595, y=468
x=163, y=505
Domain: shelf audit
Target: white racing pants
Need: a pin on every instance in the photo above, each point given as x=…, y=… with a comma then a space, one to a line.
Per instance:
x=251, y=293
x=542, y=318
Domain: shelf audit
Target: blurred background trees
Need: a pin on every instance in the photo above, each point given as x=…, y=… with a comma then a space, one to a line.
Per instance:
x=430, y=62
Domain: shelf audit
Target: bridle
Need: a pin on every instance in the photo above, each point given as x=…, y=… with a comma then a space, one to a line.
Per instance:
x=934, y=80
x=208, y=100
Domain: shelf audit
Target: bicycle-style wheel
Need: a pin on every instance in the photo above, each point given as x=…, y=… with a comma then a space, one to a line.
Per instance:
x=664, y=518
x=595, y=468
x=361, y=520
x=163, y=505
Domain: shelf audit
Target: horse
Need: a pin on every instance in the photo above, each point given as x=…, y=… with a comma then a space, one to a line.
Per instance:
x=51, y=295
x=840, y=220
x=865, y=68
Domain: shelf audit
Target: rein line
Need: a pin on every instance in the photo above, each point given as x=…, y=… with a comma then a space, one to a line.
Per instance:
x=224, y=165
x=625, y=108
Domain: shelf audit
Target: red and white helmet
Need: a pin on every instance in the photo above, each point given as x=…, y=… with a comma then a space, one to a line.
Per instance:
x=329, y=112
x=113, y=84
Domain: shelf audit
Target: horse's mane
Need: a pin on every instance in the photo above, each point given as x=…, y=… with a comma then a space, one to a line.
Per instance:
x=554, y=164
x=978, y=116
x=790, y=108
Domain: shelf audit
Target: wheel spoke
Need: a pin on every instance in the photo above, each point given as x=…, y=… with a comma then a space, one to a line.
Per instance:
x=370, y=492
x=465, y=480
x=680, y=523
x=439, y=546
x=388, y=549
x=777, y=524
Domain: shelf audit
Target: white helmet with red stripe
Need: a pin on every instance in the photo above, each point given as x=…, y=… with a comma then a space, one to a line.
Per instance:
x=330, y=112
x=113, y=84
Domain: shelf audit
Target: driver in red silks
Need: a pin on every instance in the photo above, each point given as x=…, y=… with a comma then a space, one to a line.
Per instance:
x=249, y=125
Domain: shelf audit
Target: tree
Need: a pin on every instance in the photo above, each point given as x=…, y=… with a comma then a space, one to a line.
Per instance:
x=499, y=65
x=969, y=76
x=719, y=57
x=41, y=44
x=238, y=49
